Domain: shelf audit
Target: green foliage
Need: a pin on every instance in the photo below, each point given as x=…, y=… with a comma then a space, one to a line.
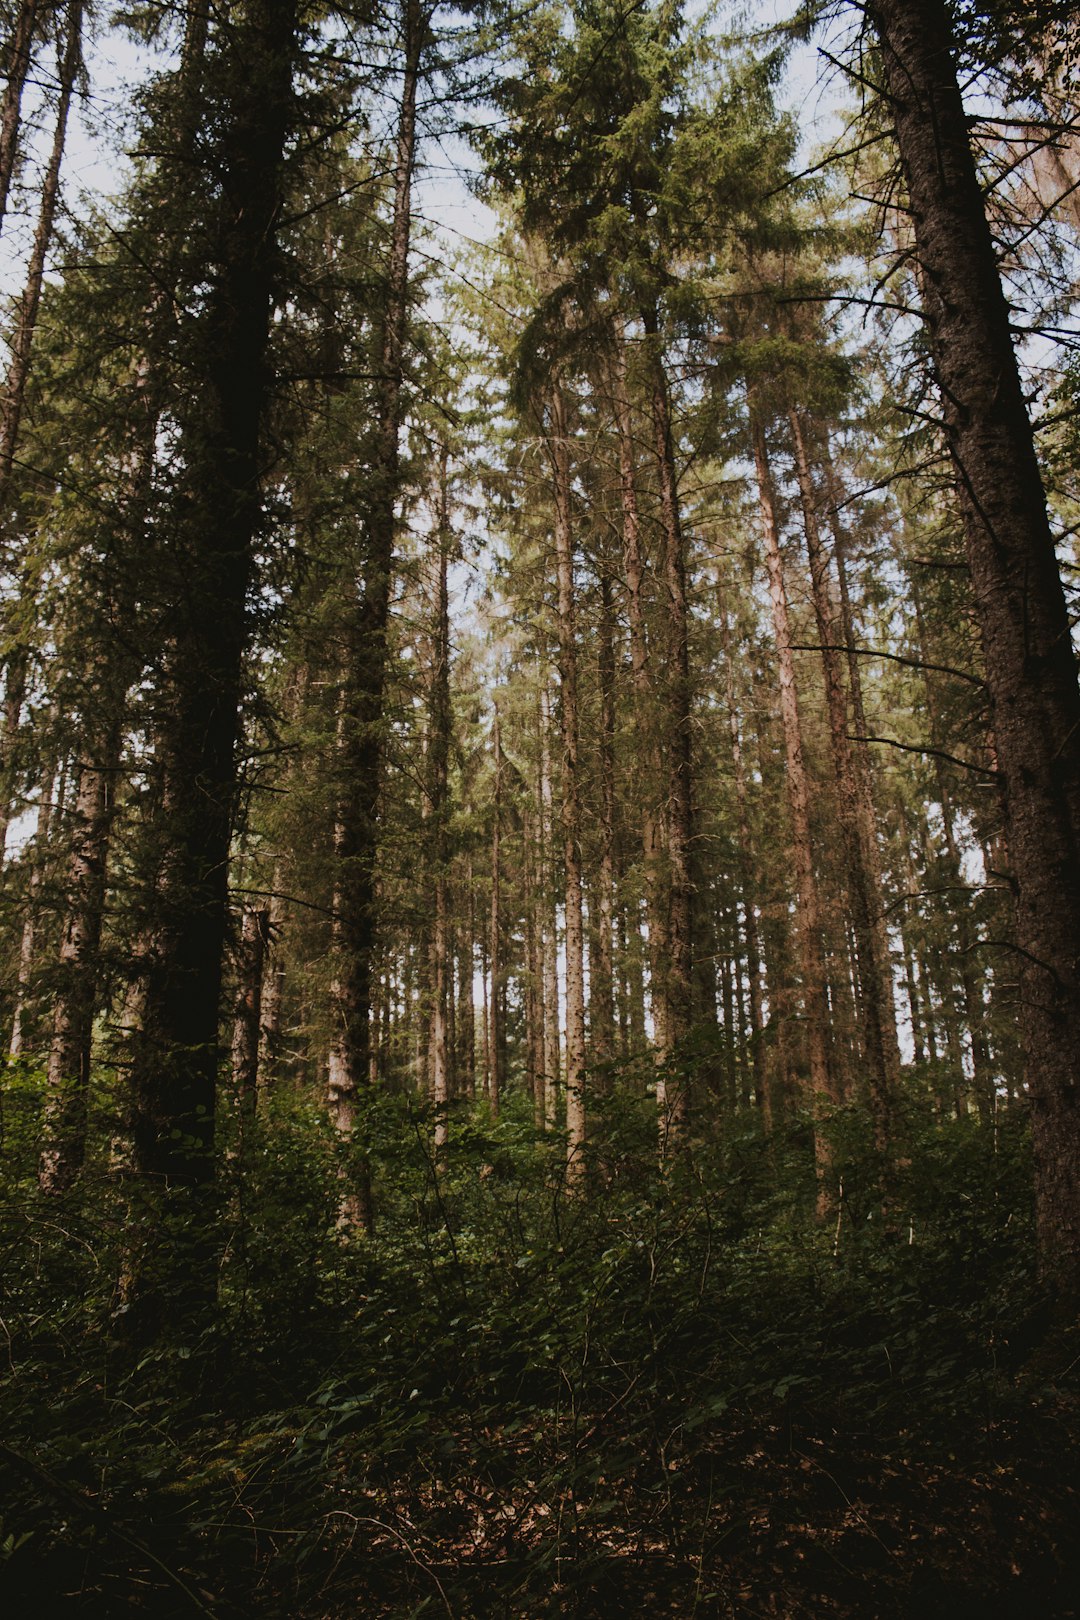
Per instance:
x=516, y=1401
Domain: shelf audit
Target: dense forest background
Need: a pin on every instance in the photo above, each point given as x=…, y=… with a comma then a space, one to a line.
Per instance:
x=540, y=785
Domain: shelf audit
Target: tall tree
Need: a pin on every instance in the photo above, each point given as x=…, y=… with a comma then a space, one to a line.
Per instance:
x=1030, y=664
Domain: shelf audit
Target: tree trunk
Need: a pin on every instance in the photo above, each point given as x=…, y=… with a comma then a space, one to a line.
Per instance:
x=247, y=1014
x=68, y=1072
x=823, y=1086
x=26, y=317
x=175, y=1064
x=550, y=937
x=17, y=67
x=679, y=815
x=570, y=808
x=360, y=740
x=746, y=884
x=496, y=1045
x=438, y=767
x=1030, y=664
x=39, y=854
x=877, y=1012
x=652, y=773
x=602, y=976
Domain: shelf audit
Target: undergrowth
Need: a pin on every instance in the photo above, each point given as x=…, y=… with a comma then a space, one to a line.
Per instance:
x=678, y=1393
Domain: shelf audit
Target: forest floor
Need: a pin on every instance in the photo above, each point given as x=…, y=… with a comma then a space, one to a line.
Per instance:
x=677, y=1395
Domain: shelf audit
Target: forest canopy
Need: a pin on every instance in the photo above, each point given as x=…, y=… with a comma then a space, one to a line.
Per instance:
x=540, y=788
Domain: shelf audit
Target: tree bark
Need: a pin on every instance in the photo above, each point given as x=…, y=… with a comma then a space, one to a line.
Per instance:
x=175, y=1063
x=652, y=775
x=875, y=1000
x=550, y=934
x=496, y=1043
x=1030, y=665
x=68, y=1072
x=17, y=66
x=751, y=938
x=678, y=818
x=360, y=739
x=570, y=805
x=438, y=767
x=602, y=976
x=823, y=1086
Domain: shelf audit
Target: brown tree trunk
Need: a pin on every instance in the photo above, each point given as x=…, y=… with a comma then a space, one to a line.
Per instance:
x=26, y=317
x=466, y=1023
x=48, y=806
x=1030, y=664
x=677, y=693
x=876, y=1009
x=864, y=787
x=247, y=1013
x=68, y=1072
x=602, y=974
x=174, y=1070
x=751, y=938
x=496, y=1045
x=550, y=937
x=652, y=773
x=823, y=1087
x=360, y=741
x=438, y=767
x=570, y=805
x=17, y=65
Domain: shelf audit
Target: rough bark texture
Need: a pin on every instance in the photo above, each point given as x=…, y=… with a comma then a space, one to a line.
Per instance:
x=751, y=938
x=26, y=318
x=438, y=768
x=17, y=65
x=602, y=976
x=175, y=1063
x=570, y=798
x=550, y=933
x=360, y=733
x=247, y=1012
x=68, y=1072
x=496, y=1035
x=1030, y=665
x=642, y=678
x=823, y=1086
x=678, y=818
x=877, y=1014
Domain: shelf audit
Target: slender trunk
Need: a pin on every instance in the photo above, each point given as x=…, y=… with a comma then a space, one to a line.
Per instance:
x=438, y=766
x=1023, y=618
x=641, y=675
x=26, y=317
x=570, y=807
x=602, y=975
x=466, y=1028
x=534, y=974
x=18, y=373
x=550, y=939
x=47, y=808
x=966, y=937
x=751, y=939
x=495, y=954
x=877, y=1013
x=823, y=1087
x=247, y=1013
x=68, y=1072
x=360, y=744
x=15, y=676
x=866, y=815
x=17, y=65
x=679, y=814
